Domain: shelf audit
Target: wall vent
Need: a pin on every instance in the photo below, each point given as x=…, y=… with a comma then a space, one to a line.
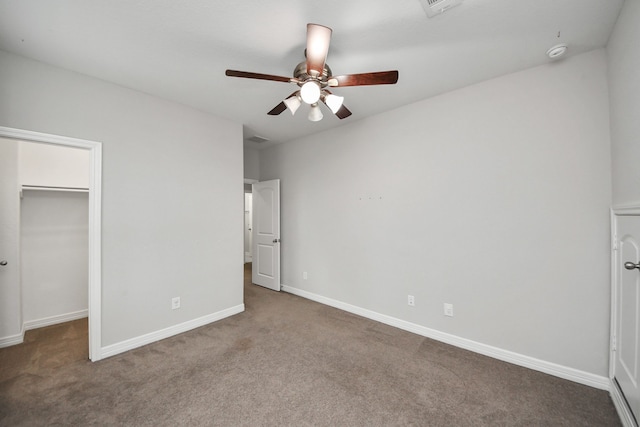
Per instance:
x=436, y=7
x=257, y=139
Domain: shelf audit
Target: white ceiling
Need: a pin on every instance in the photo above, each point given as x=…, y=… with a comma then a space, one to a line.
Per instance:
x=179, y=49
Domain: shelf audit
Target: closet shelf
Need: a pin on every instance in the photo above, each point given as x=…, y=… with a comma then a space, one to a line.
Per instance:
x=47, y=188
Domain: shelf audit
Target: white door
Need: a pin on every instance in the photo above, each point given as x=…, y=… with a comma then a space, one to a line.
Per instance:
x=627, y=309
x=266, y=234
x=10, y=293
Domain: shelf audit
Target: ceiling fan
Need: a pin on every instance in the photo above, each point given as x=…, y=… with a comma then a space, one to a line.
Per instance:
x=314, y=77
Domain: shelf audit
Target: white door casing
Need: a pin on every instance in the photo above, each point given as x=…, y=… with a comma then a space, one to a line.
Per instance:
x=248, y=246
x=626, y=309
x=95, y=221
x=266, y=234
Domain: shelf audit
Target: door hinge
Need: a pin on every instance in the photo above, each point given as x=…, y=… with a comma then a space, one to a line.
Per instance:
x=614, y=244
x=614, y=346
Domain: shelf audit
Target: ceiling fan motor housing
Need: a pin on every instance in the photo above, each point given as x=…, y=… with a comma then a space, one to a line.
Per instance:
x=300, y=73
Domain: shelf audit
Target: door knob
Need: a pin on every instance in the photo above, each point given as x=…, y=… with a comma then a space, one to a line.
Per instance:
x=3, y=262
x=631, y=266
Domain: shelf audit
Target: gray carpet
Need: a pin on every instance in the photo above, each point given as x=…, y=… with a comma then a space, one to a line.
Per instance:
x=285, y=361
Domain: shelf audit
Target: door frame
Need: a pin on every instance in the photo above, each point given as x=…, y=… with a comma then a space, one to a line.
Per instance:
x=95, y=223
x=626, y=417
x=250, y=182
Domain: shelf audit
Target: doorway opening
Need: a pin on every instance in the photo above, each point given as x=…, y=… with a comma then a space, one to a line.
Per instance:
x=248, y=218
x=94, y=222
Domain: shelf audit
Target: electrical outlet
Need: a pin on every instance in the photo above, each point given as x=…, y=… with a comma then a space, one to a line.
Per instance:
x=448, y=309
x=411, y=300
x=175, y=303
x=305, y=276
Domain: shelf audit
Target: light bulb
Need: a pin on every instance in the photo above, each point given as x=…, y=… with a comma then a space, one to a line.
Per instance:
x=334, y=102
x=310, y=92
x=292, y=104
x=315, y=115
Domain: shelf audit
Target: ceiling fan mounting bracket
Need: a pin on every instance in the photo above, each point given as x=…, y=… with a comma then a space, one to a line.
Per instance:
x=301, y=76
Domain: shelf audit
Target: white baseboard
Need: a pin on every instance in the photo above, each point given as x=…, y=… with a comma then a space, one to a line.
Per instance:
x=41, y=323
x=560, y=371
x=130, y=344
x=54, y=320
x=12, y=339
x=626, y=417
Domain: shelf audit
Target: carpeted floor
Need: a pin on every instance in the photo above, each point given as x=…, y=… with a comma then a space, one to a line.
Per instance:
x=285, y=361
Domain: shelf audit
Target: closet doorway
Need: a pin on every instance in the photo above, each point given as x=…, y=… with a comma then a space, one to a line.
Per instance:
x=71, y=206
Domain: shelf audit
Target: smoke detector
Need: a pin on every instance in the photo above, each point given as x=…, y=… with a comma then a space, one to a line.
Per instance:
x=557, y=51
x=257, y=139
x=436, y=7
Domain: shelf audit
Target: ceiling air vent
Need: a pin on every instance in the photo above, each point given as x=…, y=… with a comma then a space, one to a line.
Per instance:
x=436, y=7
x=257, y=139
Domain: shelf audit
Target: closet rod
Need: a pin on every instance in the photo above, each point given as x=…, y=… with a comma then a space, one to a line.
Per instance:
x=51, y=188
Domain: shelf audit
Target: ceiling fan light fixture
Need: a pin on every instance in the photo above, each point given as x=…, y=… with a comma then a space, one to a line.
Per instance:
x=313, y=76
x=310, y=92
x=334, y=102
x=292, y=104
x=315, y=115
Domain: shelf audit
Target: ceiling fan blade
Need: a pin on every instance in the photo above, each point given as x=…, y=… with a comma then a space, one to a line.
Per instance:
x=365, y=79
x=282, y=106
x=277, y=109
x=343, y=112
x=248, y=75
x=318, y=39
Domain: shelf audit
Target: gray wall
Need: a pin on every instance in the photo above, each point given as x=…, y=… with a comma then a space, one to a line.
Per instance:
x=623, y=53
x=251, y=164
x=172, y=193
x=54, y=253
x=53, y=233
x=494, y=198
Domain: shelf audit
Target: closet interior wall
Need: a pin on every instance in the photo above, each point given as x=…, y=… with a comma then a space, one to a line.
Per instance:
x=54, y=218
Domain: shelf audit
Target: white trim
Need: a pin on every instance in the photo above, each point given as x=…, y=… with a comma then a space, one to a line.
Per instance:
x=614, y=293
x=565, y=372
x=54, y=320
x=250, y=181
x=626, y=210
x=12, y=339
x=41, y=323
x=130, y=344
x=621, y=406
x=95, y=222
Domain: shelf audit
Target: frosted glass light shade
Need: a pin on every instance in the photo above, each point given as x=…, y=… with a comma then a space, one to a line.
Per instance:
x=315, y=115
x=334, y=102
x=310, y=92
x=318, y=38
x=292, y=104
